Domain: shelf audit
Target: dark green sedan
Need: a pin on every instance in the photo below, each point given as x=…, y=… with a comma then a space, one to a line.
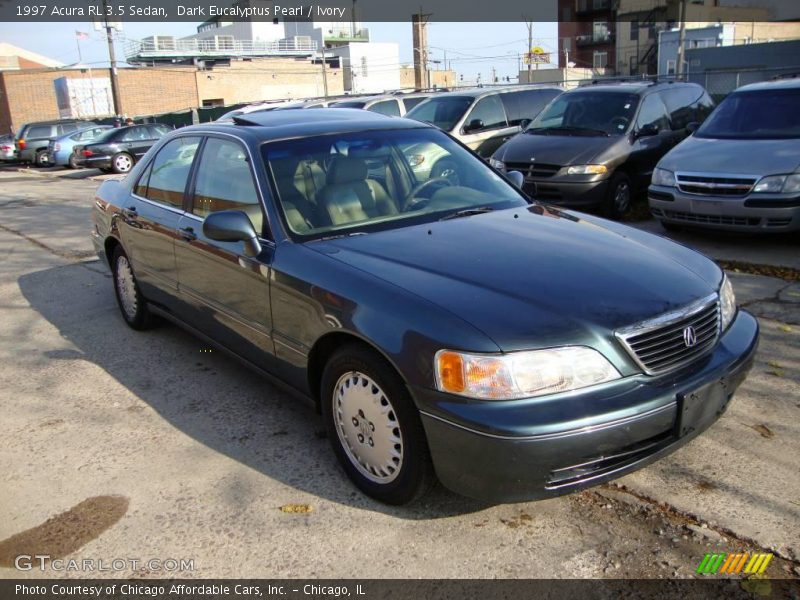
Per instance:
x=447, y=328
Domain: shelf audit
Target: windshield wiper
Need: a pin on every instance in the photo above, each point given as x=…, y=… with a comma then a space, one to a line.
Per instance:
x=467, y=212
x=339, y=236
x=568, y=128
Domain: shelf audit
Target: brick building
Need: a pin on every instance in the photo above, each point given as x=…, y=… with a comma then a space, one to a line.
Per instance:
x=29, y=94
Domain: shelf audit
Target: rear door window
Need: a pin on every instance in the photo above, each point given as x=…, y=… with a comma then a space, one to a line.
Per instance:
x=410, y=103
x=680, y=103
x=386, y=107
x=490, y=111
x=169, y=171
x=39, y=131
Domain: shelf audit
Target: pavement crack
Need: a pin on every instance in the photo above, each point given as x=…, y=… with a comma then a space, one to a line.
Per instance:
x=72, y=255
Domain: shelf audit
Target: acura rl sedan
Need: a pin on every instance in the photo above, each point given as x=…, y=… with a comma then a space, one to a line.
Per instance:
x=446, y=329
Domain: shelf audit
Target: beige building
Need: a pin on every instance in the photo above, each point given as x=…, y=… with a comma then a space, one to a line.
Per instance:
x=639, y=21
x=438, y=79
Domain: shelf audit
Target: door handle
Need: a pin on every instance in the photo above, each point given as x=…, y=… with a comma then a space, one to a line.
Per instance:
x=130, y=212
x=187, y=233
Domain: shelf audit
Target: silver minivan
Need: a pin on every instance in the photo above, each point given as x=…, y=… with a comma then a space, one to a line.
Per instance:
x=740, y=171
x=484, y=118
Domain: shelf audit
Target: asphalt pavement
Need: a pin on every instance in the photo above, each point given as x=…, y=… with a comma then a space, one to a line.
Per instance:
x=120, y=444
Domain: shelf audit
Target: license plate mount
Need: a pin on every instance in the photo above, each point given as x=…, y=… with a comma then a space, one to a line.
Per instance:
x=696, y=409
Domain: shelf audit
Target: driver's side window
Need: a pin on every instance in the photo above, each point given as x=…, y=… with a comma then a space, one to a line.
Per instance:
x=653, y=113
x=490, y=112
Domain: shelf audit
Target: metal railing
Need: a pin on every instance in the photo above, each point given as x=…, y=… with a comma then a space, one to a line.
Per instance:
x=345, y=33
x=167, y=47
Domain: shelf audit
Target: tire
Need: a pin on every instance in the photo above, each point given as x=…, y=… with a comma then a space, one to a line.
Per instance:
x=71, y=163
x=121, y=163
x=41, y=159
x=132, y=304
x=669, y=226
x=619, y=197
x=362, y=396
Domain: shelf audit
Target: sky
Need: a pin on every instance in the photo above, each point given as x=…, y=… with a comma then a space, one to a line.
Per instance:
x=470, y=48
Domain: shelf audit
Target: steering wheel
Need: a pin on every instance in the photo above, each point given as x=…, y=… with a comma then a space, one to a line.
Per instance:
x=619, y=123
x=411, y=202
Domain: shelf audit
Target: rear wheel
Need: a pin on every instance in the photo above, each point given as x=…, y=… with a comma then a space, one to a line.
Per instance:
x=41, y=158
x=132, y=304
x=72, y=163
x=374, y=427
x=619, y=197
x=121, y=163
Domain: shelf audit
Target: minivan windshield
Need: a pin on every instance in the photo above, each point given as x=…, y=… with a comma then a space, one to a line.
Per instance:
x=443, y=111
x=354, y=183
x=762, y=114
x=586, y=113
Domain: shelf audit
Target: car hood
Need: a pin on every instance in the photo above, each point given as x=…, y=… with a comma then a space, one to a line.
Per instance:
x=534, y=276
x=560, y=150
x=748, y=157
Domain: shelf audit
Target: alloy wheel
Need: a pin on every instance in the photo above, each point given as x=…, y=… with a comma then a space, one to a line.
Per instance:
x=126, y=286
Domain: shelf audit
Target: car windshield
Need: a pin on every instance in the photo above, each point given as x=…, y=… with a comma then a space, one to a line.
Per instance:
x=586, y=113
x=444, y=111
x=354, y=183
x=763, y=114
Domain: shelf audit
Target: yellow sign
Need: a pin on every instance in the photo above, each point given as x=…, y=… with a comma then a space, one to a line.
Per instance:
x=537, y=56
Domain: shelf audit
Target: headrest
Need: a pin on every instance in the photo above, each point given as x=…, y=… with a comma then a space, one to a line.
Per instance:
x=346, y=170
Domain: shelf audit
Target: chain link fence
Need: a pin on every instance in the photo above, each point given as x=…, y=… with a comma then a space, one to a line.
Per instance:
x=720, y=83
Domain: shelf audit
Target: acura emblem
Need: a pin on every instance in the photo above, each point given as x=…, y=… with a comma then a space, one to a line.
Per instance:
x=689, y=336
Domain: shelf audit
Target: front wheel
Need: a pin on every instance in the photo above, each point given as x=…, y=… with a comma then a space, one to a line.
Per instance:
x=374, y=427
x=620, y=196
x=121, y=163
x=72, y=163
x=132, y=303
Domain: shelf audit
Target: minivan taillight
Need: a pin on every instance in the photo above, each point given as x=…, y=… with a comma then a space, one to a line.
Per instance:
x=21, y=144
x=56, y=147
x=87, y=153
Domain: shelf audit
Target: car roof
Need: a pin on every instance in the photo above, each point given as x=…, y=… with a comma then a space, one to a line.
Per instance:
x=282, y=124
x=479, y=92
x=786, y=83
x=56, y=122
x=633, y=87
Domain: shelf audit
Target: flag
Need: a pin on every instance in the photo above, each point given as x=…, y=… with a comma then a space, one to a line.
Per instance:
x=81, y=35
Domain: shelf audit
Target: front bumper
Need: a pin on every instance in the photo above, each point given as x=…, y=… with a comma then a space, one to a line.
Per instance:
x=541, y=447
x=572, y=194
x=754, y=212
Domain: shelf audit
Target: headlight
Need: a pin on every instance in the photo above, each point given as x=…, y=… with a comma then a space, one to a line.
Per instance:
x=521, y=374
x=663, y=177
x=587, y=170
x=773, y=184
x=727, y=303
x=792, y=185
x=497, y=164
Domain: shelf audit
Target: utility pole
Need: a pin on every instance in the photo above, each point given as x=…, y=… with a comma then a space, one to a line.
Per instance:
x=113, y=60
x=419, y=23
x=324, y=71
x=681, y=39
x=529, y=24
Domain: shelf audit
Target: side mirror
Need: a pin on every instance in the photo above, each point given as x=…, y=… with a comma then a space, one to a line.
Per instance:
x=692, y=127
x=523, y=125
x=516, y=177
x=232, y=226
x=647, y=131
x=474, y=125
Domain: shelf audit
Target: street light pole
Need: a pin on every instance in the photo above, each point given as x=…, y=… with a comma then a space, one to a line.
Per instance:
x=681, y=39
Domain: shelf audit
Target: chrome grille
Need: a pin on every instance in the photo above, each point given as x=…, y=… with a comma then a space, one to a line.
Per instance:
x=534, y=170
x=660, y=345
x=715, y=185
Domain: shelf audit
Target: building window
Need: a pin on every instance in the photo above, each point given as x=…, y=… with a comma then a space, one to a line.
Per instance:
x=634, y=31
x=670, y=67
x=600, y=60
x=600, y=31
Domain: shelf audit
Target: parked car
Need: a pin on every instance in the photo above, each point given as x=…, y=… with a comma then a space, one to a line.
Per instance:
x=392, y=105
x=463, y=331
x=484, y=118
x=60, y=149
x=118, y=149
x=7, y=153
x=596, y=146
x=740, y=171
x=32, y=138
